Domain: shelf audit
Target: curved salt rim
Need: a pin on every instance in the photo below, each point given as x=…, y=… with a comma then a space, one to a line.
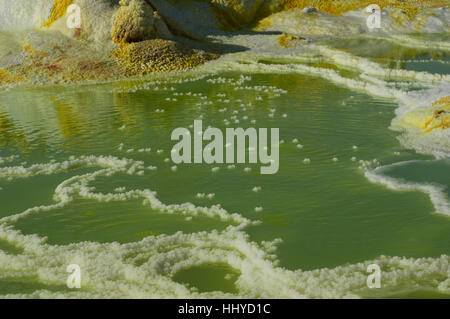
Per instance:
x=144, y=269
x=115, y=270
x=436, y=143
x=79, y=186
x=328, y=74
x=371, y=68
x=436, y=193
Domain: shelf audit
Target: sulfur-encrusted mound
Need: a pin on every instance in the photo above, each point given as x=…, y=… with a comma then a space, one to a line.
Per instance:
x=437, y=116
x=58, y=10
x=107, y=45
x=159, y=55
x=133, y=21
x=441, y=116
x=440, y=119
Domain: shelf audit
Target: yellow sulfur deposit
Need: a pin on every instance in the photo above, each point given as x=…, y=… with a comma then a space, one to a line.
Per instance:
x=133, y=21
x=440, y=117
x=429, y=119
x=58, y=10
x=135, y=25
x=284, y=40
x=444, y=100
x=159, y=55
x=128, y=59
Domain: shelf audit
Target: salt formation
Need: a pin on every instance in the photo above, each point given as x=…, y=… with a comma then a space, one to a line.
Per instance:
x=84, y=53
x=133, y=21
x=436, y=116
x=436, y=193
x=159, y=258
x=159, y=55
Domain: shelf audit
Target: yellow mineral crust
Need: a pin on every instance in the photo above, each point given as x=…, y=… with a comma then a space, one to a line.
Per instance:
x=440, y=117
x=134, y=24
x=7, y=78
x=58, y=10
x=43, y=67
x=443, y=100
x=159, y=55
x=427, y=120
x=133, y=21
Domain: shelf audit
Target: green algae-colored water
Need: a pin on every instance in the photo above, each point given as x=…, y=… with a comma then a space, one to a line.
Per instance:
x=325, y=211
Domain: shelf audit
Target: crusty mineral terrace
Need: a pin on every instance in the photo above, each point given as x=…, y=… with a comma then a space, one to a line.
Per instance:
x=119, y=39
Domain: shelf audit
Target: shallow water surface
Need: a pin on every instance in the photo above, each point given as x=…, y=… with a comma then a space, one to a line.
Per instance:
x=324, y=209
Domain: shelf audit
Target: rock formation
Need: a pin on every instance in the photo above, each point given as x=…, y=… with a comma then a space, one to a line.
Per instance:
x=133, y=21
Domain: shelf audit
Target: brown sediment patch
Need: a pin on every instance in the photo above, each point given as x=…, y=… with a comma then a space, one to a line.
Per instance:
x=34, y=55
x=58, y=66
x=58, y=10
x=127, y=60
x=159, y=55
x=440, y=119
x=409, y=8
x=92, y=71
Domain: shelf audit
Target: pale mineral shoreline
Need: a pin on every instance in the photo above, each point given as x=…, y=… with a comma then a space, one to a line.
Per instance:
x=132, y=38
